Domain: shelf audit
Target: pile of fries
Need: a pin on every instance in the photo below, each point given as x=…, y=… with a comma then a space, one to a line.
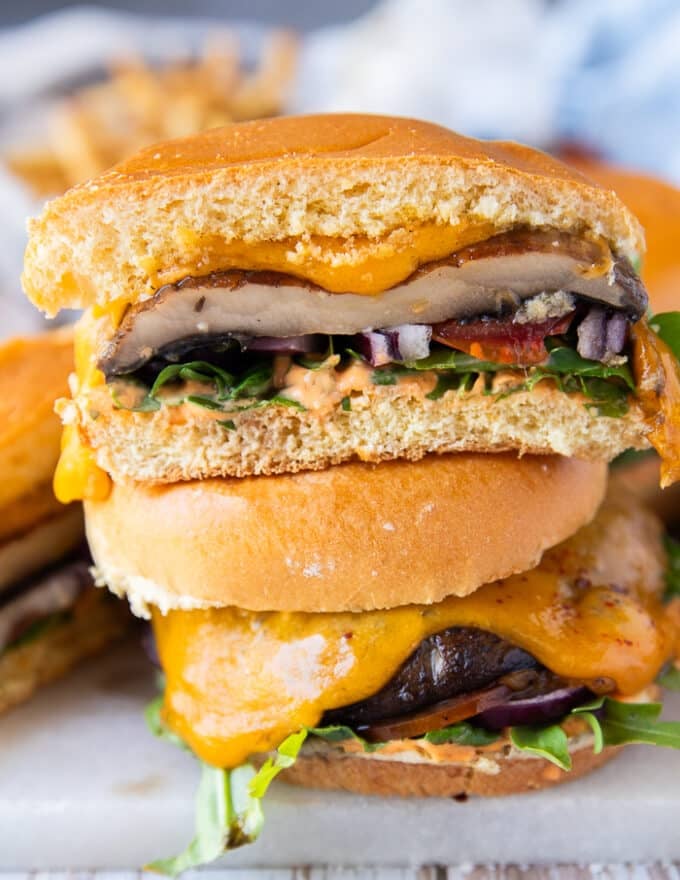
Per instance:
x=139, y=104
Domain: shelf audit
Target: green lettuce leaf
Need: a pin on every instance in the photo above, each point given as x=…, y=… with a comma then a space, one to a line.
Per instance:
x=549, y=742
x=667, y=326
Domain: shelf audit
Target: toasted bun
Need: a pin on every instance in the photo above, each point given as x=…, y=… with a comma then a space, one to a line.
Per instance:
x=489, y=771
x=33, y=373
x=384, y=423
x=334, y=185
x=351, y=538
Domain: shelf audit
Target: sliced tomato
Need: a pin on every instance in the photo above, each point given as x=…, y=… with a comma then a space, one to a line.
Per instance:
x=439, y=715
x=500, y=340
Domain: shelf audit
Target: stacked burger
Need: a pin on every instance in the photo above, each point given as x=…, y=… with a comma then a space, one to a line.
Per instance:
x=51, y=615
x=347, y=387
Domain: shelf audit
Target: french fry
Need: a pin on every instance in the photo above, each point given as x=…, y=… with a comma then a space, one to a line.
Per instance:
x=139, y=104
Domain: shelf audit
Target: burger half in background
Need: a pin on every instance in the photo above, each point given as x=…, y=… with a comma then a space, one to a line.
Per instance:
x=346, y=391
x=51, y=615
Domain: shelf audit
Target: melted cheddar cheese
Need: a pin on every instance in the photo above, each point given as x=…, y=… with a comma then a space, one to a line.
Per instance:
x=657, y=376
x=357, y=265
x=78, y=477
x=239, y=682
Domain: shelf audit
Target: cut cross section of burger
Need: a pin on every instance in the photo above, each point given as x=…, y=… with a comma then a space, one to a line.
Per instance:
x=291, y=294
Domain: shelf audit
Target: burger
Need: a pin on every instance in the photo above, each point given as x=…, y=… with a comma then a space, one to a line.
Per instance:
x=51, y=615
x=347, y=387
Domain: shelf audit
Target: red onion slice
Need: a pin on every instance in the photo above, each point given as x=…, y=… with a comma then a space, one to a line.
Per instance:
x=534, y=710
x=376, y=347
x=404, y=343
x=312, y=342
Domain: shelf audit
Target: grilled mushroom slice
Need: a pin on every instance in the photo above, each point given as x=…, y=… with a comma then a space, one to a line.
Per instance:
x=489, y=278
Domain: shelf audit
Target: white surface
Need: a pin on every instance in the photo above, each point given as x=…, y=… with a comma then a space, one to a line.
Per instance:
x=85, y=786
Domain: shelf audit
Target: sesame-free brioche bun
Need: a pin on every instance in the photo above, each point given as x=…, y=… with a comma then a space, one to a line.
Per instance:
x=327, y=190
x=355, y=537
x=440, y=771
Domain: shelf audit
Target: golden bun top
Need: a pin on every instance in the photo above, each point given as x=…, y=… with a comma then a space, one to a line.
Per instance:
x=337, y=138
x=34, y=372
x=330, y=190
x=354, y=537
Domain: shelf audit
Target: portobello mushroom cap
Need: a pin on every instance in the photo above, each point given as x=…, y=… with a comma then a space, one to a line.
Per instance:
x=458, y=660
x=489, y=278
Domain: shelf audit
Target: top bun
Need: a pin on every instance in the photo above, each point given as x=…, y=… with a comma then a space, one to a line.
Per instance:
x=353, y=537
x=328, y=188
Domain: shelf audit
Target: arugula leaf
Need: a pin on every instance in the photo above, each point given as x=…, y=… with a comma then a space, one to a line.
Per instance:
x=587, y=713
x=464, y=734
x=669, y=678
x=625, y=723
x=155, y=723
x=458, y=361
x=637, y=723
x=147, y=403
x=667, y=327
x=205, y=402
x=198, y=371
x=673, y=568
x=565, y=360
x=286, y=756
x=256, y=381
x=339, y=732
x=229, y=424
x=346, y=404
x=549, y=742
x=451, y=382
x=384, y=377
x=277, y=400
x=227, y=816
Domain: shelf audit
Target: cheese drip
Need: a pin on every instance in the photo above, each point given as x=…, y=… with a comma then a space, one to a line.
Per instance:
x=78, y=477
x=239, y=682
x=340, y=265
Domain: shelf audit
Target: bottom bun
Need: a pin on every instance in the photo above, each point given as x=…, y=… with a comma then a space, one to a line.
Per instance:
x=487, y=771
